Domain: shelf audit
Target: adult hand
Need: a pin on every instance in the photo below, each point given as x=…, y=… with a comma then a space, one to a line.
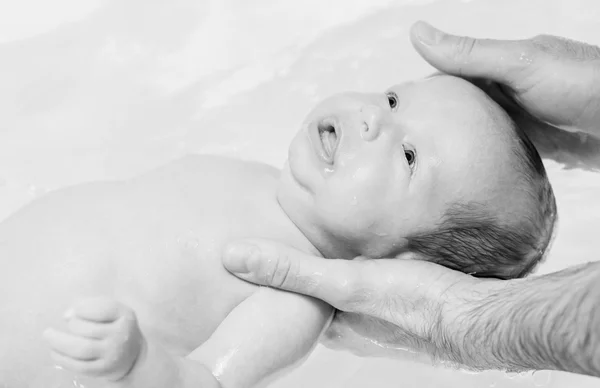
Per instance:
x=415, y=298
x=524, y=324
x=555, y=79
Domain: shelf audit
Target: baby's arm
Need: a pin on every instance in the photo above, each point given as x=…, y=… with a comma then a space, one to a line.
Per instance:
x=267, y=332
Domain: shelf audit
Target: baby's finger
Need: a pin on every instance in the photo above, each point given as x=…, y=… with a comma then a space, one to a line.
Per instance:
x=100, y=309
x=89, y=329
x=87, y=368
x=73, y=346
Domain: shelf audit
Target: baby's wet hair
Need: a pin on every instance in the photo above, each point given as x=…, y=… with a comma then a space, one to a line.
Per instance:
x=474, y=240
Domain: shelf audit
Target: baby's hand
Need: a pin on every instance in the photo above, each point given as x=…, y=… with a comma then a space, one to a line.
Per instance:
x=102, y=340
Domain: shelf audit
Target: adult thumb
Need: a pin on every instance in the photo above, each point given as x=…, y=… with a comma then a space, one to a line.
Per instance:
x=502, y=61
x=341, y=283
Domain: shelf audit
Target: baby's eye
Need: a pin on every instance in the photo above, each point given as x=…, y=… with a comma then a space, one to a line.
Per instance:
x=392, y=99
x=411, y=157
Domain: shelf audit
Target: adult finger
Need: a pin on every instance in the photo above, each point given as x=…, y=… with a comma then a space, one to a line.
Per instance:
x=346, y=285
x=500, y=60
x=379, y=288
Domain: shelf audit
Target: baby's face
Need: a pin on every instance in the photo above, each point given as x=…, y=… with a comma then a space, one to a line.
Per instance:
x=366, y=170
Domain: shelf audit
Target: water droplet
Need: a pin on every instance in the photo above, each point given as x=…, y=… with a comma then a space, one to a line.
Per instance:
x=354, y=201
x=525, y=58
x=510, y=375
x=77, y=384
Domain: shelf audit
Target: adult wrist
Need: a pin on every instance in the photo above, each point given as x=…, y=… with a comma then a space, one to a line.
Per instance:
x=498, y=326
x=472, y=323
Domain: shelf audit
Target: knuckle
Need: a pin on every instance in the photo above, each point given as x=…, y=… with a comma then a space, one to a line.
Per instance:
x=352, y=290
x=282, y=273
x=128, y=316
x=120, y=327
x=463, y=48
x=85, y=351
x=123, y=329
x=547, y=44
x=102, y=366
x=347, y=296
x=527, y=48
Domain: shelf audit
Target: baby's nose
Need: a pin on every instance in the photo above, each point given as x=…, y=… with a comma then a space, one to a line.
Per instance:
x=370, y=127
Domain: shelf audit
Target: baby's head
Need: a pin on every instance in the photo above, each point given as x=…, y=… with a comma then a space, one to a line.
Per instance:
x=432, y=167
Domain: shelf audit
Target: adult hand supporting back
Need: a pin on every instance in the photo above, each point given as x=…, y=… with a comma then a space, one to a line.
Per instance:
x=555, y=79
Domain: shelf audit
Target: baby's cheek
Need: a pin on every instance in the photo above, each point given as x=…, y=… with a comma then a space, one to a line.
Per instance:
x=357, y=194
x=353, y=185
x=369, y=182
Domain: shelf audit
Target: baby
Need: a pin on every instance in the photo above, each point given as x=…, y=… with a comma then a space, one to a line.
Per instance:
x=433, y=167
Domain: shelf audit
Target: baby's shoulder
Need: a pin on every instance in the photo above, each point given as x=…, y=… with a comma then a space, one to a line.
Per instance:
x=215, y=169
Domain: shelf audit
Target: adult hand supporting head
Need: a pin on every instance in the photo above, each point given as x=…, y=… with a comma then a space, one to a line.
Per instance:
x=416, y=296
x=555, y=79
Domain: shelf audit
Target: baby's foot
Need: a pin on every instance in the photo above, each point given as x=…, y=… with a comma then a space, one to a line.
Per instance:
x=102, y=340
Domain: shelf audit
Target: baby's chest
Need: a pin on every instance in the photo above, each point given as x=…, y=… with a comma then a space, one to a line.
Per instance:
x=174, y=278
x=181, y=292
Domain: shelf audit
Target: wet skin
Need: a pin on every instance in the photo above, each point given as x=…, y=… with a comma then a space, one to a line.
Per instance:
x=154, y=243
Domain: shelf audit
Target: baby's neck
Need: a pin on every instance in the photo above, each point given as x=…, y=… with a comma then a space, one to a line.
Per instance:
x=301, y=233
x=287, y=231
x=314, y=239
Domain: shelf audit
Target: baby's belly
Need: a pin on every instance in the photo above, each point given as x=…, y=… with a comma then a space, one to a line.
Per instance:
x=182, y=300
x=174, y=282
x=179, y=302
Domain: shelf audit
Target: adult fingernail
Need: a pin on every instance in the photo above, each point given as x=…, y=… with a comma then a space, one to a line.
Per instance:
x=238, y=257
x=428, y=34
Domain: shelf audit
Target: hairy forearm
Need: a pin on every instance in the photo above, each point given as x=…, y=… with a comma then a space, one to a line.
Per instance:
x=545, y=322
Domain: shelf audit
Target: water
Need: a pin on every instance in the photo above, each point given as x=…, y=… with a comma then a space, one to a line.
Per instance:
x=107, y=89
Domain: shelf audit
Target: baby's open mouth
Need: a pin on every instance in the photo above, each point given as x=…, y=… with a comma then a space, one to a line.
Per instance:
x=329, y=138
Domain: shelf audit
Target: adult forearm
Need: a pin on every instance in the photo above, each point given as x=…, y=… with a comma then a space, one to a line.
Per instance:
x=545, y=322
